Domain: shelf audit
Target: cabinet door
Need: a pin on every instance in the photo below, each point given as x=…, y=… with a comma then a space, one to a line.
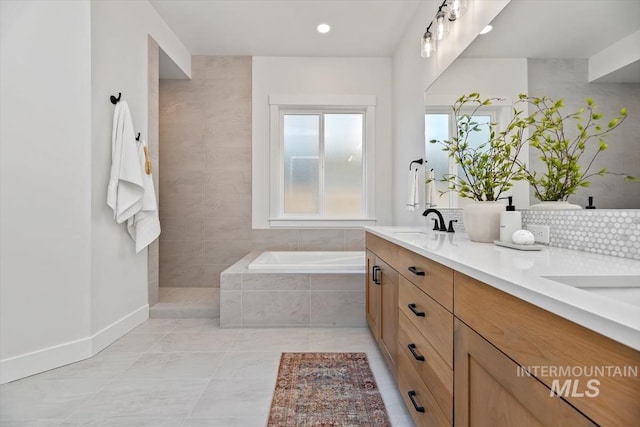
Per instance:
x=373, y=295
x=388, y=312
x=489, y=391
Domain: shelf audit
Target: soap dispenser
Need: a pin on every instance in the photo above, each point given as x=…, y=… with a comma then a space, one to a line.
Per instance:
x=510, y=222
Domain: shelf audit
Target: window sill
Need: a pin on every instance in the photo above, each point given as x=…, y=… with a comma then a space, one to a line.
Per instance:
x=321, y=223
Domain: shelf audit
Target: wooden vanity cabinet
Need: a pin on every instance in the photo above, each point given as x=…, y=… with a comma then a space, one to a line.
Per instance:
x=459, y=348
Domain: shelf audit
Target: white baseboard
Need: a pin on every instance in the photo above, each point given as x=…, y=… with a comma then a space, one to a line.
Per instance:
x=105, y=337
x=24, y=365
x=35, y=362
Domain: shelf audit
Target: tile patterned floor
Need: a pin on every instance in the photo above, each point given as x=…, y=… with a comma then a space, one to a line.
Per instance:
x=181, y=373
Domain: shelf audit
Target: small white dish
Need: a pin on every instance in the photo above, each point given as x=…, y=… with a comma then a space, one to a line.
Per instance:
x=519, y=247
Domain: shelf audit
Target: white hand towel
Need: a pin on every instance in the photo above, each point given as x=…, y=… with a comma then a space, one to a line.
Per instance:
x=144, y=226
x=413, y=197
x=126, y=186
x=432, y=195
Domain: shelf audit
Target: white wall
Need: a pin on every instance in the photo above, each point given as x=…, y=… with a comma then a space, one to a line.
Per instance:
x=412, y=74
x=119, y=31
x=70, y=283
x=353, y=76
x=45, y=115
x=492, y=78
x=621, y=57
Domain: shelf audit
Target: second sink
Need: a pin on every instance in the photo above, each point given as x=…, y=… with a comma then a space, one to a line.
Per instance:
x=624, y=288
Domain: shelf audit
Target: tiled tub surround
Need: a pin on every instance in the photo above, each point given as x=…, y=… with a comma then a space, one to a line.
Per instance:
x=614, y=232
x=257, y=298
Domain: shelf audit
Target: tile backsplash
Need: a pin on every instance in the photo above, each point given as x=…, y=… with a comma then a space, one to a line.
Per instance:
x=614, y=232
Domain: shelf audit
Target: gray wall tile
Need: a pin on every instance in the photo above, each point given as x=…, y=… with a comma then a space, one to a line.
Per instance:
x=275, y=308
x=337, y=308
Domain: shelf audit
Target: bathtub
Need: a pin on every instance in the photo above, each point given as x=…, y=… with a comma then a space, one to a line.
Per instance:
x=311, y=262
x=294, y=289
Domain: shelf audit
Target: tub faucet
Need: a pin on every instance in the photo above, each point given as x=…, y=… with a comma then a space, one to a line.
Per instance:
x=441, y=226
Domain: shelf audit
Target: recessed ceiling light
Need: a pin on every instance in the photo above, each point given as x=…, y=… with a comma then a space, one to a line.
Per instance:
x=324, y=28
x=486, y=29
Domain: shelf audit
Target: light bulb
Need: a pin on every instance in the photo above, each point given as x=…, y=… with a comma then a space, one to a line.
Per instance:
x=440, y=22
x=324, y=28
x=486, y=29
x=428, y=45
x=456, y=10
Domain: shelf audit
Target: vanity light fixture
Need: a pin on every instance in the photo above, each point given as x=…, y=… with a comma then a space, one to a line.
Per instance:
x=449, y=10
x=324, y=28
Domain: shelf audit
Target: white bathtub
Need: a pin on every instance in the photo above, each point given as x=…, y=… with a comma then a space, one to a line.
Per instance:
x=311, y=262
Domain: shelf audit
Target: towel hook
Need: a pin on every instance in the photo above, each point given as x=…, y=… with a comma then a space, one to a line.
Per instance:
x=419, y=161
x=138, y=137
x=115, y=100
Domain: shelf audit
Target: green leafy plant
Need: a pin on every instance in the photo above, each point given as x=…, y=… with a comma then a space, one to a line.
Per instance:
x=568, y=159
x=489, y=169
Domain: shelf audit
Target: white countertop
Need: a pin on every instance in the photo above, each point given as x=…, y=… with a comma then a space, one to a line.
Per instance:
x=518, y=273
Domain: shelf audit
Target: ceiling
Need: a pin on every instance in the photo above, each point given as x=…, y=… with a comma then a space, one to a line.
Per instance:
x=361, y=28
x=557, y=29
x=288, y=27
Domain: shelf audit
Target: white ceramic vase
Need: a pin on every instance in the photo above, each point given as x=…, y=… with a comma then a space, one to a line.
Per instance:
x=554, y=206
x=482, y=221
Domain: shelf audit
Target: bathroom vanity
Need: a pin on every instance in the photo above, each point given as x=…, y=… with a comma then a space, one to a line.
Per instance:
x=476, y=334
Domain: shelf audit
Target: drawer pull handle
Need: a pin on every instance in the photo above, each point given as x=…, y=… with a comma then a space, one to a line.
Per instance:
x=416, y=271
x=418, y=408
x=376, y=280
x=412, y=307
x=412, y=349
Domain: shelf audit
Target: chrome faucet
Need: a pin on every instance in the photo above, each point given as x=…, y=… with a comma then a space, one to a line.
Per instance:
x=441, y=225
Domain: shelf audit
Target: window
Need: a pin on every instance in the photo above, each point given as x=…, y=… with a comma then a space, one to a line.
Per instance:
x=322, y=164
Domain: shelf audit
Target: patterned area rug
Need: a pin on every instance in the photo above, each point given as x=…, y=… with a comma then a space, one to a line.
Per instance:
x=328, y=390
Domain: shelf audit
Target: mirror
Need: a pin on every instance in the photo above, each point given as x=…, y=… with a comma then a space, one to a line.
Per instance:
x=521, y=55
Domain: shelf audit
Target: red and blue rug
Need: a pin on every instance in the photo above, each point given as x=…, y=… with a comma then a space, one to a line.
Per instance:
x=327, y=390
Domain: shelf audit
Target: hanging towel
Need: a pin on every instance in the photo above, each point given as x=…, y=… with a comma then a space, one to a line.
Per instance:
x=432, y=196
x=144, y=226
x=412, y=197
x=126, y=185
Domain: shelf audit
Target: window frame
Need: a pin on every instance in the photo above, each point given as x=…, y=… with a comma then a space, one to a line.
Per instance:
x=323, y=104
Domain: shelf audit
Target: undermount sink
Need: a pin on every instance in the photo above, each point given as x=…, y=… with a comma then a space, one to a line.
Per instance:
x=624, y=288
x=414, y=233
x=410, y=233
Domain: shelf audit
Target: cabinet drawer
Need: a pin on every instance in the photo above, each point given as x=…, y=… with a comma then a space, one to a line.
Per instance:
x=421, y=404
x=434, y=279
x=432, y=370
x=429, y=318
x=383, y=249
x=534, y=337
